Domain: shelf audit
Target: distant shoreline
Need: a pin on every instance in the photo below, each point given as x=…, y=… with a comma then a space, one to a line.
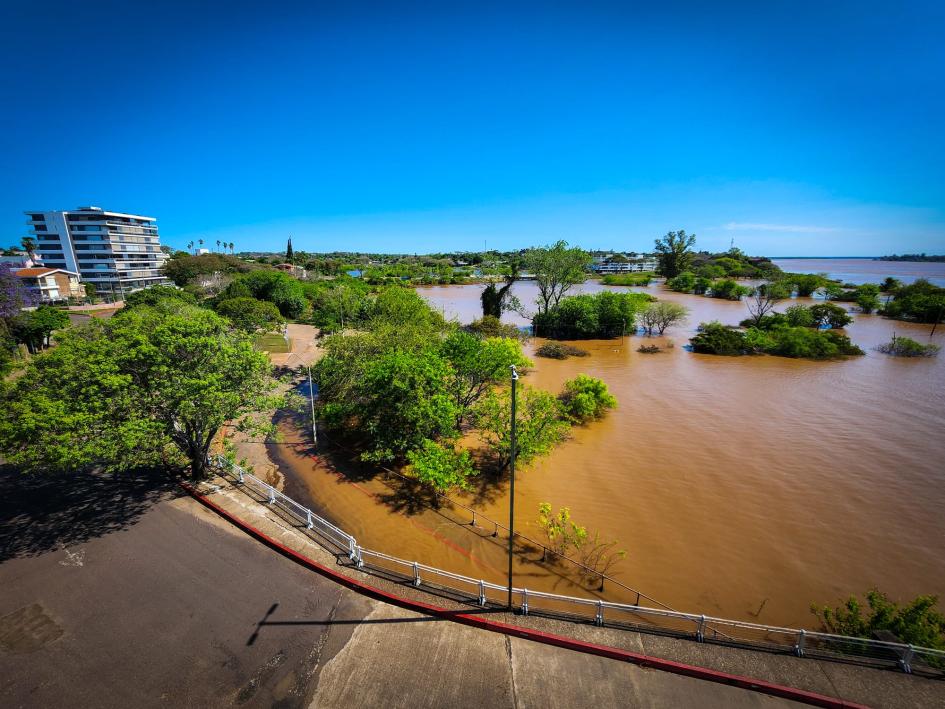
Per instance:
x=891, y=259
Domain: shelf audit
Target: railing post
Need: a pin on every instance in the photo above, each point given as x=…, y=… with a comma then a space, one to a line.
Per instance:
x=524, y=601
x=309, y=518
x=638, y=598
x=240, y=474
x=599, y=618
x=700, y=633
x=799, y=648
x=473, y=523
x=416, y=574
x=358, y=559
x=352, y=548
x=272, y=495
x=906, y=661
x=482, y=593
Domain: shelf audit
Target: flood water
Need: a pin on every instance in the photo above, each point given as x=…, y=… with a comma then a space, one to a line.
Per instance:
x=743, y=487
x=860, y=270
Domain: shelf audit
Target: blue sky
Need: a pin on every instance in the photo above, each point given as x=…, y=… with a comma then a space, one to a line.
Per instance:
x=790, y=127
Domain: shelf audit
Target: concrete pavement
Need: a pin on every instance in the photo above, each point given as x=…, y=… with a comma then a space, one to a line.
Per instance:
x=171, y=606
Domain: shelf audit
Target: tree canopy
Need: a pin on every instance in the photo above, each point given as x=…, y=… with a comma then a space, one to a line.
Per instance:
x=557, y=269
x=151, y=384
x=674, y=253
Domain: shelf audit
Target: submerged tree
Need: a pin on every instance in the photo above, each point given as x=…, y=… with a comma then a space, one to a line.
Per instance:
x=674, y=253
x=763, y=299
x=496, y=301
x=557, y=269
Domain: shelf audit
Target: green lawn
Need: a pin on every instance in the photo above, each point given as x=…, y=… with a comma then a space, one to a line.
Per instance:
x=271, y=342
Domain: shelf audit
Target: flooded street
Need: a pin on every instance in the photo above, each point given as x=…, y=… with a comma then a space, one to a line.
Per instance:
x=744, y=487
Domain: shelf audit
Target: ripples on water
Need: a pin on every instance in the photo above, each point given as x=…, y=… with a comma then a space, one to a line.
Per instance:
x=728, y=480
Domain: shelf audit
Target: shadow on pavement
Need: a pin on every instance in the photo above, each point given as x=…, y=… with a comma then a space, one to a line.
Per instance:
x=40, y=514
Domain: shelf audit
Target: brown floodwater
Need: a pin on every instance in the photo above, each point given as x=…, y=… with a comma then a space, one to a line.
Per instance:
x=736, y=485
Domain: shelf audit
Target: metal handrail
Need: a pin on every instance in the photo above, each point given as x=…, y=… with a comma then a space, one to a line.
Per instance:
x=801, y=642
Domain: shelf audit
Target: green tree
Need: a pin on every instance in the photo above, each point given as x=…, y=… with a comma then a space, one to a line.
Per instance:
x=683, y=282
x=146, y=386
x=661, y=315
x=476, y=365
x=867, y=297
x=600, y=315
x=763, y=299
x=539, y=425
x=799, y=316
x=715, y=338
x=441, y=466
x=557, y=269
x=249, y=314
x=828, y=314
x=585, y=398
x=728, y=289
x=402, y=399
x=806, y=283
x=149, y=297
x=34, y=328
x=674, y=253
x=90, y=291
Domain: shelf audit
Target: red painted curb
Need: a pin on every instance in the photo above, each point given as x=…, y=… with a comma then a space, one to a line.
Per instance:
x=656, y=663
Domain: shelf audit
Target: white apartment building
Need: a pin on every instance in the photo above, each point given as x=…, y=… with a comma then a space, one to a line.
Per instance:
x=115, y=252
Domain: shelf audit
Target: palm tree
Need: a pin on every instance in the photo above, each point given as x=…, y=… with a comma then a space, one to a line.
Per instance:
x=29, y=245
x=231, y=248
x=200, y=241
x=218, y=244
x=190, y=246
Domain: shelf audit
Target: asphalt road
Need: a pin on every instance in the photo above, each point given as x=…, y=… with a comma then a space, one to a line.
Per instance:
x=127, y=595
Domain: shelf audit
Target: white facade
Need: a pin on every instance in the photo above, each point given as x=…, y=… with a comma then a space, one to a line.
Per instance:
x=114, y=251
x=632, y=266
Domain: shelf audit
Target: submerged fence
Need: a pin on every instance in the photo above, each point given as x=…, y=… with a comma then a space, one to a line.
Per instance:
x=702, y=628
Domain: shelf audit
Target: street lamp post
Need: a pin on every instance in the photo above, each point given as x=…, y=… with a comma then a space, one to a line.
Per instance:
x=512, y=485
x=311, y=396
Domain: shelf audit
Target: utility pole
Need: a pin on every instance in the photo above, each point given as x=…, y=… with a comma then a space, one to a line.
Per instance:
x=512, y=486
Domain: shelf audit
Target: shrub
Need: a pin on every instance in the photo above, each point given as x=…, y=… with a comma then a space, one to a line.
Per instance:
x=917, y=623
x=728, y=289
x=907, y=347
x=830, y=315
x=799, y=316
x=649, y=349
x=805, y=343
x=585, y=398
x=491, y=326
x=805, y=283
x=661, y=315
x=921, y=301
x=627, y=279
x=250, y=314
x=559, y=350
x=683, y=283
x=149, y=297
x=716, y=338
x=601, y=315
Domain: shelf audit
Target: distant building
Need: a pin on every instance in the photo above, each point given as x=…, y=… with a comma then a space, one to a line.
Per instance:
x=296, y=271
x=624, y=265
x=51, y=284
x=201, y=252
x=112, y=250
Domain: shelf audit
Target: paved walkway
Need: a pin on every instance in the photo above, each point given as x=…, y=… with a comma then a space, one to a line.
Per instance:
x=166, y=605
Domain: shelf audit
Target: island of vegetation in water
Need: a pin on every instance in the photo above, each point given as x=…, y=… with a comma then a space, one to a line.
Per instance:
x=913, y=257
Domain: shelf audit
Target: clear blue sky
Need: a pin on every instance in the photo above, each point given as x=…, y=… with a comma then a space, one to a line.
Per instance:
x=794, y=128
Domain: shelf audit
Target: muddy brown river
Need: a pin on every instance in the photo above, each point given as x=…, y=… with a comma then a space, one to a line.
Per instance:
x=742, y=487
